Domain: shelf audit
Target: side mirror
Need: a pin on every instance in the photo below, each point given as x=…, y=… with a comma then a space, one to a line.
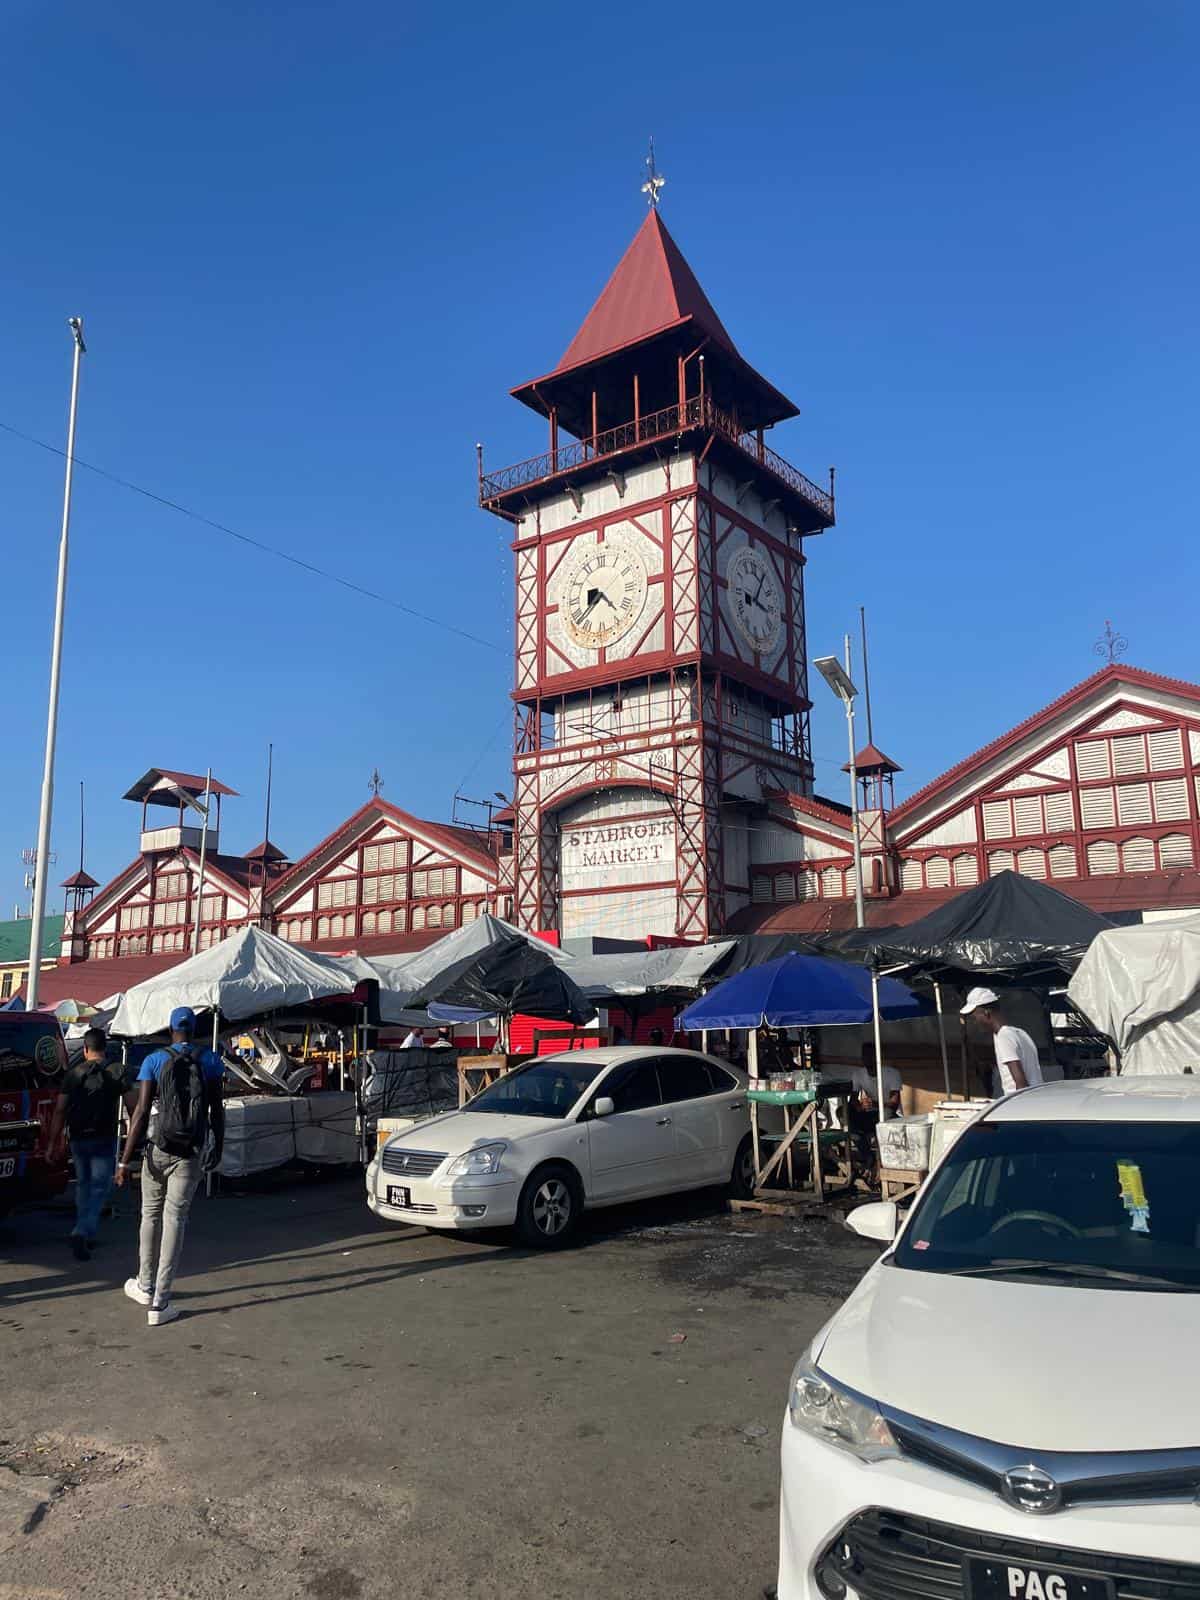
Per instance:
x=604, y=1106
x=875, y=1221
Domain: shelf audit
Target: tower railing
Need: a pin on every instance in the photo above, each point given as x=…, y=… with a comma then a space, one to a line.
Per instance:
x=695, y=413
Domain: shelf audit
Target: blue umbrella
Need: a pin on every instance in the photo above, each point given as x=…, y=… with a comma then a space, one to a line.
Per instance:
x=798, y=991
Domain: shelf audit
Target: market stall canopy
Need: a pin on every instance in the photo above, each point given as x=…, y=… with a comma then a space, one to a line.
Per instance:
x=248, y=974
x=1140, y=987
x=1010, y=927
x=799, y=991
x=487, y=968
x=664, y=974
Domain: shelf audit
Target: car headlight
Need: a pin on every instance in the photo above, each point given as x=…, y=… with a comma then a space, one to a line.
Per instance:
x=477, y=1163
x=838, y=1416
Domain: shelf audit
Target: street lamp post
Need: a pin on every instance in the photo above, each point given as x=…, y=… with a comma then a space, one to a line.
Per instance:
x=839, y=680
x=42, y=862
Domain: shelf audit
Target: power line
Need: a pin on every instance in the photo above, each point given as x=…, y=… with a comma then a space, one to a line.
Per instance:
x=256, y=544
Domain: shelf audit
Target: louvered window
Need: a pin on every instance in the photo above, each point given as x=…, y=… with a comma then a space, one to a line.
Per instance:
x=831, y=883
x=937, y=872
x=1137, y=855
x=1170, y=800
x=1059, y=812
x=1166, y=750
x=1175, y=850
x=1129, y=754
x=368, y=922
x=1102, y=858
x=997, y=819
x=807, y=885
x=1092, y=759
x=911, y=876
x=966, y=869
x=784, y=886
x=418, y=918
x=1000, y=861
x=1133, y=804
x=1027, y=812
x=1062, y=861
x=1032, y=863
x=1096, y=808
x=760, y=887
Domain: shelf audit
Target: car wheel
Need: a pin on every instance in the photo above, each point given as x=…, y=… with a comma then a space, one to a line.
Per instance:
x=741, y=1179
x=549, y=1209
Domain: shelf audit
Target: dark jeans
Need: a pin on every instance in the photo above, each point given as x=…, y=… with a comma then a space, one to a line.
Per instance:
x=95, y=1164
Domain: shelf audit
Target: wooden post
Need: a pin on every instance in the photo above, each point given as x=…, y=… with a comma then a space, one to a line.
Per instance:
x=595, y=424
x=554, y=438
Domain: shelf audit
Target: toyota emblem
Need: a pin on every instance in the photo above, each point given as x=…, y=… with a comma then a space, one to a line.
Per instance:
x=1030, y=1489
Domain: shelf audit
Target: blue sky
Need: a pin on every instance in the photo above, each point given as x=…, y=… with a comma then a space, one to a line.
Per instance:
x=314, y=247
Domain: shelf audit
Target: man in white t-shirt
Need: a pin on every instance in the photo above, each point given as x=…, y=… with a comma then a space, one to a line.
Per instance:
x=1016, y=1054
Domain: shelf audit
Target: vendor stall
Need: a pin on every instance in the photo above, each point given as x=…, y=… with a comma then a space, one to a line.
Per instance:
x=798, y=991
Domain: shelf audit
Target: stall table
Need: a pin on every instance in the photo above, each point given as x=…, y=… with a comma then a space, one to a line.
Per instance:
x=803, y=1131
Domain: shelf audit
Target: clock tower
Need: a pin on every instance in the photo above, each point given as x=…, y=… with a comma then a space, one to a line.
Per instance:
x=661, y=686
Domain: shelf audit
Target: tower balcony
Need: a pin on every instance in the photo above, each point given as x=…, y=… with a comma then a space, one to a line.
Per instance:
x=509, y=489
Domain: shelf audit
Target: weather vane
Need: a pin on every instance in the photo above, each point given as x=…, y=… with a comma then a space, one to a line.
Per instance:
x=1110, y=644
x=375, y=782
x=654, y=180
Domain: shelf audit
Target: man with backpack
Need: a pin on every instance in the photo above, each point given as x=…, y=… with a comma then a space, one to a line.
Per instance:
x=187, y=1085
x=86, y=1113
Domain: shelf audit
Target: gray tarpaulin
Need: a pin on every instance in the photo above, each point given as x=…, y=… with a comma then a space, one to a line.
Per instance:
x=1140, y=987
x=630, y=974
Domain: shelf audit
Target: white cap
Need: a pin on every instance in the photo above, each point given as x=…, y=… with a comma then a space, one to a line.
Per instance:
x=979, y=997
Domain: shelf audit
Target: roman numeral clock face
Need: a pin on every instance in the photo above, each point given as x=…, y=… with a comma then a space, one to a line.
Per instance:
x=604, y=594
x=755, y=599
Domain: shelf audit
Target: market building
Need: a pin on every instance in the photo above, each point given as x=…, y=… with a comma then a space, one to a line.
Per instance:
x=662, y=764
x=1098, y=793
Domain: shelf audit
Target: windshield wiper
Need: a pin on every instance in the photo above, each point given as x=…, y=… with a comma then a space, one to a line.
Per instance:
x=1066, y=1269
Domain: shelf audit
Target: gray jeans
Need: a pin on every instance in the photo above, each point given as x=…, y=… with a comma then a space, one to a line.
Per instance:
x=168, y=1184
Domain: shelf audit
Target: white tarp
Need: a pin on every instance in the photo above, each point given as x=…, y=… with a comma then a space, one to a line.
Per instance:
x=249, y=973
x=263, y=1131
x=1140, y=986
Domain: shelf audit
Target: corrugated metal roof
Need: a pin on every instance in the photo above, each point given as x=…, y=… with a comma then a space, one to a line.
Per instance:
x=14, y=939
x=185, y=780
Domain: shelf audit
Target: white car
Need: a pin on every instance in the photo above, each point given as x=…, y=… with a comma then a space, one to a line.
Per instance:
x=568, y=1132
x=1007, y=1406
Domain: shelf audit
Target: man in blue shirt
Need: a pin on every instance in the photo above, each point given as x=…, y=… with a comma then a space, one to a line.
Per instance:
x=172, y=1169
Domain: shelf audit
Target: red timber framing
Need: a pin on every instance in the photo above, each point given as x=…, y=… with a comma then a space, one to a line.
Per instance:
x=386, y=872
x=150, y=908
x=1112, y=794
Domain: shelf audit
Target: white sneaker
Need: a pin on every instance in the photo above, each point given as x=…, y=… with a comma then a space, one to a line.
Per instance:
x=135, y=1292
x=157, y=1315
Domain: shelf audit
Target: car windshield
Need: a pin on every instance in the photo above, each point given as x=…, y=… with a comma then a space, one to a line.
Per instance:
x=1107, y=1205
x=546, y=1088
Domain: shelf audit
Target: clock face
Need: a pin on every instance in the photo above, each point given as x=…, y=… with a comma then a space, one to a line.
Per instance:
x=755, y=599
x=604, y=593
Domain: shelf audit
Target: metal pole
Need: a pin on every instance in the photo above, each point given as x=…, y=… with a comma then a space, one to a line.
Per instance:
x=878, y=1044
x=858, y=883
x=42, y=860
x=203, y=853
x=937, y=998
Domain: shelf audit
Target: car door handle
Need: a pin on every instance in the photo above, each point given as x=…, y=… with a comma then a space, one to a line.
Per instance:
x=737, y=1105
x=663, y=1122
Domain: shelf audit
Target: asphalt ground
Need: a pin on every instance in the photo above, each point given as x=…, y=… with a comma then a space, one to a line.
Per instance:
x=348, y=1410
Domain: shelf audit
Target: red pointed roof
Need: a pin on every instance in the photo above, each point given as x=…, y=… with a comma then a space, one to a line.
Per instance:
x=79, y=880
x=872, y=759
x=653, y=288
x=266, y=851
x=652, y=294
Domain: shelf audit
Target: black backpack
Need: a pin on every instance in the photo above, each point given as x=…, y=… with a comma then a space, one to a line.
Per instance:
x=91, y=1108
x=182, y=1104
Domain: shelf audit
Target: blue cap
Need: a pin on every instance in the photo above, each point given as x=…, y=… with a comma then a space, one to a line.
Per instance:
x=183, y=1020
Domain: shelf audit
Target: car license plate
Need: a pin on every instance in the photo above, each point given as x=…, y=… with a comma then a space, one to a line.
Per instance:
x=989, y=1579
x=8, y=1165
x=398, y=1196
